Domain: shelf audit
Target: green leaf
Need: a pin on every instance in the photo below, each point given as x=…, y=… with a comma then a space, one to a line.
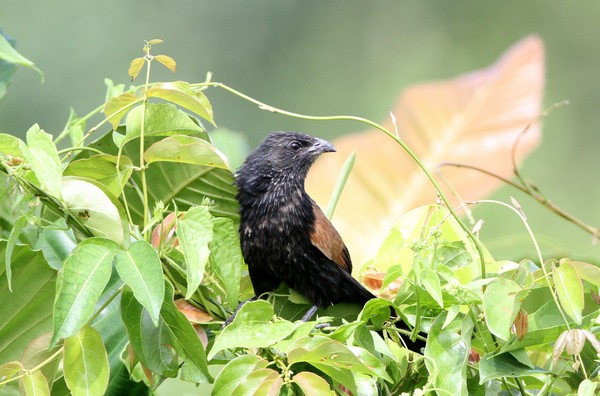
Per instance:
x=10, y=55
x=505, y=365
x=117, y=106
x=587, y=272
x=225, y=258
x=167, y=62
x=431, y=283
x=18, y=226
x=140, y=268
x=187, y=150
x=38, y=352
x=122, y=384
x=587, y=388
x=26, y=312
x=85, y=363
x=82, y=279
x=56, y=243
x=35, y=384
x=10, y=145
x=103, y=169
x=152, y=344
x=340, y=184
x=252, y=328
x=180, y=93
x=569, y=289
x=162, y=119
x=327, y=352
x=10, y=369
x=311, y=384
x=501, y=302
x=447, y=352
x=263, y=381
x=195, y=231
x=235, y=372
x=42, y=156
x=98, y=210
x=7, y=72
x=184, y=337
x=135, y=67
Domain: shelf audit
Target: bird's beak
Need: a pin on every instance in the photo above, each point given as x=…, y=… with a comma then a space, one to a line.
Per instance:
x=322, y=146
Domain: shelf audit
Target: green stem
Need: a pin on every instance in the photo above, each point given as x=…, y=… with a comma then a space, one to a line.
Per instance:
x=82, y=120
x=142, y=132
x=36, y=368
x=106, y=303
x=82, y=148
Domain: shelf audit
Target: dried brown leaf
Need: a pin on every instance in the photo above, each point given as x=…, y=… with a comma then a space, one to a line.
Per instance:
x=473, y=119
x=194, y=314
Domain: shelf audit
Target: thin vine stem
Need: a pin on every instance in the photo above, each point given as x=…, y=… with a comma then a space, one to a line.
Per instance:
x=538, y=252
x=145, y=235
x=535, y=194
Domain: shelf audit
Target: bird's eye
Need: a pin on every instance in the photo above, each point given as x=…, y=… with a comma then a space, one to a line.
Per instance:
x=295, y=146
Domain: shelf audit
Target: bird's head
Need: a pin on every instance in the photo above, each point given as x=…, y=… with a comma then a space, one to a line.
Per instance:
x=282, y=155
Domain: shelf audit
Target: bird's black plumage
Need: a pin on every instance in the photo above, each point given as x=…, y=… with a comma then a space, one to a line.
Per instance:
x=284, y=234
x=285, y=237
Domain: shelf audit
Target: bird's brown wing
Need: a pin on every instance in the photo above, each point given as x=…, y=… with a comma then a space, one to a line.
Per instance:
x=326, y=238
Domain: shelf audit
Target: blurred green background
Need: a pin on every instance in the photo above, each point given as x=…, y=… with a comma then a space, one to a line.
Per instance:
x=330, y=57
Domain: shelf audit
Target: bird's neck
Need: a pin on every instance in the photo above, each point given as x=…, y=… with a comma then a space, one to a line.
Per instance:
x=274, y=192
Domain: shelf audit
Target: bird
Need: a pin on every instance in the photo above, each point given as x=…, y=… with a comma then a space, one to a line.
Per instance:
x=284, y=234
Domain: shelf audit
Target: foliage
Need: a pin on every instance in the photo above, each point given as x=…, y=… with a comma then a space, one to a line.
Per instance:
x=120, y=259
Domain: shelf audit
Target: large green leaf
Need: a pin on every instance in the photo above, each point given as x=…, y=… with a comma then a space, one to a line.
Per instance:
x=18, y=226
x=504, y=365
x=117, y=106
x=154, y=345
x=195, y=231
x=42, y=156
x=10, y=145
x=98, y=210
x=180, y=93
x=140, y=268
x=151, y=344
x=226, y=259
x=85, y=273
x=85, y=363
x=26, y=312
x=10, y=55
x=501, y=302
x=235, y=372
x=103, y=169
x=447, y=352
x=252, y=328
x=186, y=150
x=327, y=352
x=311, y=384
x=162, y=119
x=185, y=339
x=569, y=289
x=35, y=384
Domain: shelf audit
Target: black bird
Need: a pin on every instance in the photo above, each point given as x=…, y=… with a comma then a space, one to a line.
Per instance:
x=285, y=237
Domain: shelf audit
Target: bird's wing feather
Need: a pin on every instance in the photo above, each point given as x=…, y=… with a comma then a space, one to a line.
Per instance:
x=325, y=237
